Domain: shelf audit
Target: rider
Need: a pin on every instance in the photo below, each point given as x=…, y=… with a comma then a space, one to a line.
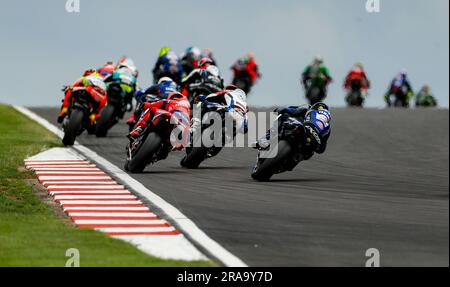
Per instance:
x=400, y=82
x=94, y=81
x=206, y=72
x=107, y=69
x=190, y=58
x=248, y=64
x=357, y=73
x=167, y=65
x=316, y=119
x=162, y=90
x=425, y=98
x=316, y=74
x=235, y=102
x=175, y=103
x=125, y=75
x=127, y=63
x=208, y=53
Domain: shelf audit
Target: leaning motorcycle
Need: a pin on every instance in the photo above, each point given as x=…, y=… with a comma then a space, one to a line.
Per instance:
x=196, y=155
x=83, y=105
x=154, y=144
x=355, y=96
x=120, y=90
x=286, y=155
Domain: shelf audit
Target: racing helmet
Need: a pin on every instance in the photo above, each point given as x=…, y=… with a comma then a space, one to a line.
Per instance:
x=127, y=63
x=206, y=53
x=317, y=123
x=320, y=106
x=107, y=69
x=205, y=61
x=89, y=72
x=193, y=51
x=164, y=79
x=318, y=60
x=164, y=51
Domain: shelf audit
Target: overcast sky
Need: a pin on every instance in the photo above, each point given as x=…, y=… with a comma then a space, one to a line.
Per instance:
x=43, y=47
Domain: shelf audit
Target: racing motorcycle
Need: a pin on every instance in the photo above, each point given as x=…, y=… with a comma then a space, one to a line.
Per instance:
x=83, y=105
x=399, y=97
x=230, y=109
x=154, y=144
x=316, y=90
x=196, y=90
x=196, y=155
x=242, y=80
x=173, y=70
x=354, y=97
x=288, y=153
x=120, y=90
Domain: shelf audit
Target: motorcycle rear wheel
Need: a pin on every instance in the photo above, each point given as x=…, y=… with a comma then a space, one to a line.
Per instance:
x=73, y=127
x=105, y=122
x=194, y=158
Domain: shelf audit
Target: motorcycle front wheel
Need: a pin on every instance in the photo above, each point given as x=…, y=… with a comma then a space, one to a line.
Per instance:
x=145, y=153
x=266, y=167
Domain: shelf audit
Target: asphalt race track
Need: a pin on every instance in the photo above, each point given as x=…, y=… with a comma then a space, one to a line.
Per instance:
x=383, y=183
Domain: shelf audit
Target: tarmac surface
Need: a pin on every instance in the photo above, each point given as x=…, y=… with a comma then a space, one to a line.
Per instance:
x=383, y=183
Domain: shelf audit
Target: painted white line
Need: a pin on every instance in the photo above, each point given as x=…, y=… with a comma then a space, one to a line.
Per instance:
x=136, y=229
x=91, y=192
x=84, y=187
x=93, y=197
x=118, y=221
x=84, y=165
x=182, y=222
x=47, y=178
x=52, y=163
x=71, y=169
x=118, y=208
x=99, y=202
x=68, y=173
x=101, y=214
x=81, y=183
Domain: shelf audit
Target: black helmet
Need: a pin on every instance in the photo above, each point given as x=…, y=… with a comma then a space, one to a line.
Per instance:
x=319, y=106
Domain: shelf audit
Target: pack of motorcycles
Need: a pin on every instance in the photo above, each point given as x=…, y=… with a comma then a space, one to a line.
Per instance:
x=154, y=144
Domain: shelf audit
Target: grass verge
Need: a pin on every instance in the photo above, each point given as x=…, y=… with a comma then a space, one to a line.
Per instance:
x=30, y=232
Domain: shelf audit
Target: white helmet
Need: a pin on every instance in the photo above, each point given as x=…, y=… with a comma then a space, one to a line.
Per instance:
x=164, y=79
x=318, y=59
x=127, y=63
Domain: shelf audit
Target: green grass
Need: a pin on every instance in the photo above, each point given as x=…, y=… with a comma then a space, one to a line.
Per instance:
x=31, y=234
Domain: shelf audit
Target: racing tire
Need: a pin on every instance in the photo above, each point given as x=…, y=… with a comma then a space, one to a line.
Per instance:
x=145, y=153
x=266, y=168
x=194, y=158
x=73, y=127
x=105, y=121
